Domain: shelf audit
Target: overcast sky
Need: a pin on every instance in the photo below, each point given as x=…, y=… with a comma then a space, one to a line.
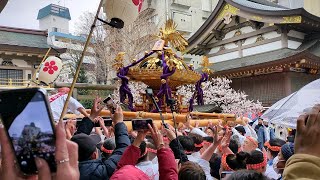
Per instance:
x=23, y=13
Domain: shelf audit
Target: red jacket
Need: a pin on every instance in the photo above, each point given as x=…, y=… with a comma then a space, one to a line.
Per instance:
x=127, y=169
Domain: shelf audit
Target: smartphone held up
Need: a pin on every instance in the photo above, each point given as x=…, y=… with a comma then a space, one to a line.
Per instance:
x=141, y=124
x=110, y=104
x=28, y=122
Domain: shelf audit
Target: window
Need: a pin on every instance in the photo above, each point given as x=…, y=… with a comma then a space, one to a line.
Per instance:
x=184, y=21
x=13, y=74
x=54, y=29
x=154, y=19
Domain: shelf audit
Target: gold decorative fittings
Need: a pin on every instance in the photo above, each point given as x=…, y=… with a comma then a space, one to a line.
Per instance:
x=118, y=60
x=260, y=38
x=150, y=69
x=257, y=18
x=170, y=34
x=206, y=64
x=237, y=33
x=152, y=63
x=292, y=19
x=228, y=9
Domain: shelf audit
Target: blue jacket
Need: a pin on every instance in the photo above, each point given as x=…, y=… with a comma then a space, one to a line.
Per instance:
x=262, y=136
x=98, y=169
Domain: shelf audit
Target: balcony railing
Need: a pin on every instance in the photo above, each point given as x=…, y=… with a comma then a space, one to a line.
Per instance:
x=16, y=83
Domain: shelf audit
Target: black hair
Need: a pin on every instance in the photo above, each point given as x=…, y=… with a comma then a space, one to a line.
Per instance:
x=186, y=142
x=190, y=171
x=255, y=157
x=143, y=148
x=276, y=142
x=215, y=164
x=237, y=161
x=233, y=145
x=247, y=175
x=208, y=139
x=241, y=130
x=197, y=139
x=108, y=144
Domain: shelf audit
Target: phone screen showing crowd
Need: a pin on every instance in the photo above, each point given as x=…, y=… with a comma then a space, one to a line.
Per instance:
x=32, y=135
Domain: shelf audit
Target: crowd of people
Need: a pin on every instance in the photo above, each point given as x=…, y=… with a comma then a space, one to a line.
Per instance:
x=251, y=151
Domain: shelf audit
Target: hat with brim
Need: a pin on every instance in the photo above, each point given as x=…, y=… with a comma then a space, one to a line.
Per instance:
x=86, y=145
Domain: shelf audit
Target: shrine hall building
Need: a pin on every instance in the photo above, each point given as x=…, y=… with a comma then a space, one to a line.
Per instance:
x=269, y=51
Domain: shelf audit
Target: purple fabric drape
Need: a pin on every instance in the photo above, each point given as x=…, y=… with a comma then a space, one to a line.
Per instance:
x=124, y=88
x=198, y=92
x=191, y=101
x=164, y=88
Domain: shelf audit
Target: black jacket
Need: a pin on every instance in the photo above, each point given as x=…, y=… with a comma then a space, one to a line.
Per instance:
x=98, y=169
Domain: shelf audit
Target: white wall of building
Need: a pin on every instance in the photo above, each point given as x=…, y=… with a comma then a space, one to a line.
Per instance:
x=250, y=40
x=49, y=22
x=271, y=35
x=230, y=45
x=247, y=29
x=224, y=57
x=262, y=48
x=293, y=44
x=20, y=63
x=229, y=35
x=293, y=4
x=296, y=34
x=188, y=14
x=214, y=50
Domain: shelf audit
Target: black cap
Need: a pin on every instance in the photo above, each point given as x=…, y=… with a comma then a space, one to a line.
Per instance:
x=86, y=145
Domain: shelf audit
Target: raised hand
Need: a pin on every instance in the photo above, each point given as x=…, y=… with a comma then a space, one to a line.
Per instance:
x=308, y=133
x=226, y=138
x=216, y=139
x=156, y=136
x=170, y=132
x=117, y=116
x=140, y=137
x=96, y=108
x=101, y=121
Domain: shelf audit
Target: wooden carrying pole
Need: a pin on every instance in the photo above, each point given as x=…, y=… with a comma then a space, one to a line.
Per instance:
x=80, y=62
x=201, y=122
x=180, y=118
